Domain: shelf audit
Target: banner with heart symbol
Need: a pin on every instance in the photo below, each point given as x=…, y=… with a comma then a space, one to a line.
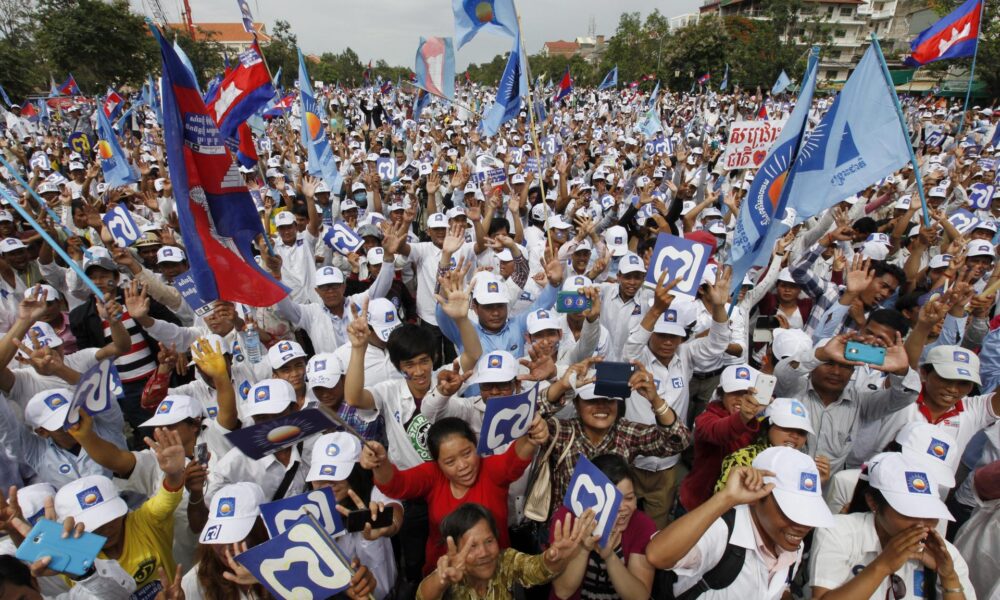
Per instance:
x=749, y=142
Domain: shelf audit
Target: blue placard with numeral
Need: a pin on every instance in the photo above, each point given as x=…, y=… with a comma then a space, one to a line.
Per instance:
x=342, y=238
x=321, y=504
x=302, y=562
x=682, y=259
x=590, y=488
x=121, y=226
x=505, y=420
x=963, y=220
x=189, y=292
x=980, y=195
x=386, y=168
x=95, y=391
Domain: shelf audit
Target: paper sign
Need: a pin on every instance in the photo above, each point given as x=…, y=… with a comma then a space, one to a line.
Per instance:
x=506, y=419
x=321, y=504
x=749, y=142
x=658, y=145
x=590, y=488
x=80, y=142
x=989, y=164
x=550, y=145
x=980, y=195
x=303, y=562
x=963, y=220
x=121, y=226
x=41, y=160
x=184, y=283
x=94, y=392
x=493, y=176
x=342, y=238
x=934, y=138
x=386, y=168
x=262, y=439
x=682, y=259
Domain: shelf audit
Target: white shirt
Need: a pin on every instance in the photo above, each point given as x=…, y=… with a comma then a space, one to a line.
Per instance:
x=267, y=472
x=426, y=257
x=298, y=266
x=619, y=316
x=378, y=367
x=405, y=428
x=27, y=381
x=852, y=542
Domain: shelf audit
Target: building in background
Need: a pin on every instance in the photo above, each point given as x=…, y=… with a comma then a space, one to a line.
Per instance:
x=231, y=36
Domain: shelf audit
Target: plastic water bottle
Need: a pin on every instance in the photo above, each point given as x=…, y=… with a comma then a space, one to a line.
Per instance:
x=252, y=346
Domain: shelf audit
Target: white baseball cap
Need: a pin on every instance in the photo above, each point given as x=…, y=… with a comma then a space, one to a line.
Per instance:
x=31, y=500
x=505, y=255
x=50, y=295
x=11, y=245
x=617, y=240
x=789, y=342
x=347, y=204
x=334, y=456
x=980, y=248
x=790, y=413
x=540, y=320
x=953, y=362
x=48, y=409
x=232, y=513
x=375, y=256
x=382, y=317
x=874, y=250
x=6, y=216
x=904, y=202
x=175, y=408
x=495, y=367
x=284, y=218
x=938, y=191
x=91, y=500
x=437, y=220
x=675, y=319
x=932, y=446
x=329, y=276
x=738, y=378
x=907, y=486
x=797, y=488
x=170, y=254
x=631, y=263
x=283, y=352
x=269, y=397
x=576, y=282
x=488, y=290
x=786, y=275
x=556, y=222
x=323, y=370
x=45, y=334
x=939, y=261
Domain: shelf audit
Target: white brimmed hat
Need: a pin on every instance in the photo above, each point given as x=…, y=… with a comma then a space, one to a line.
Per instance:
x=284, y=218
x=907, y=486
x=269, y=397
x=48, y=409
x=796, y=485
x=91, y=500
x=232, y=513
x=631, y=263
x=283, y=352
x=170, y=254
x=175, y=408
x=333, y=457
x=382, y=317
x=616, y=239
x=738, y=378
x=980, y=248
x=329, y=276
x=954, y=362
x=540, y=320
x=789, y=342
x=323, y=370
x=790, y=413
x=489, y=290
x=495, y=367
x=932, y=446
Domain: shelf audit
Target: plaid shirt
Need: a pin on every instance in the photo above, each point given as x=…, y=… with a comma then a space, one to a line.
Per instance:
x=824, y=293
x=529, y=570
x=627, y=439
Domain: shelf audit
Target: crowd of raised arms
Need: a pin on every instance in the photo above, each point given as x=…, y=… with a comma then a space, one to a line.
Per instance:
x=828, y=432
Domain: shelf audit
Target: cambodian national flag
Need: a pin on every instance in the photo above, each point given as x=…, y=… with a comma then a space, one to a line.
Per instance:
x=218, y=219
x=69, y=87
x=954, y=36
x=280, y=107
x=704, y=78
x=435, y=66
x=112, y=104
x=565, y=87
x=246, y=152
x=243, y=92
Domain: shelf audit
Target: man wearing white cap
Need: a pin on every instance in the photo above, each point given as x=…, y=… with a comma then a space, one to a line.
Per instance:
x=381, y=319
x=893, y=550
x=980, y=257
x=297, y=250
x=746, y=541
x=624, y=303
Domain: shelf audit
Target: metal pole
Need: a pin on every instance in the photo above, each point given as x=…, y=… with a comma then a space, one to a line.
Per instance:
x=972, y=71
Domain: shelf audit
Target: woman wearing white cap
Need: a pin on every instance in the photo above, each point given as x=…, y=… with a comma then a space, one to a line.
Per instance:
x=892, y=550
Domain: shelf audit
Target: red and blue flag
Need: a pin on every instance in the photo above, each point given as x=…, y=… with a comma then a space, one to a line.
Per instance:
x=280, y=107
x=565, y=87
x=704, y=78
x=217, y=215
x=245, y=90
x=112, y=104
x=69, y=87
x=954, y=36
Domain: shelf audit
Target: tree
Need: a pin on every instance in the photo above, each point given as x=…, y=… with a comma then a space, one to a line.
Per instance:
x=282, y=51
x=205, y=55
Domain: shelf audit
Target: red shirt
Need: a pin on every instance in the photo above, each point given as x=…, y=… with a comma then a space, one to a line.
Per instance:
x=717, y=434
x=426, y=481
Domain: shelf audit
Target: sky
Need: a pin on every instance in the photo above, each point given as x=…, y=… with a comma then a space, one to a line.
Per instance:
x=391, y=29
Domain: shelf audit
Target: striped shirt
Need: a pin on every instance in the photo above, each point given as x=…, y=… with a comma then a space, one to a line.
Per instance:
x=139, y=362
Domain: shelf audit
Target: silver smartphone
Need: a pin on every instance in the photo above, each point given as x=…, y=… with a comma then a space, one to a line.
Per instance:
x=764, y=388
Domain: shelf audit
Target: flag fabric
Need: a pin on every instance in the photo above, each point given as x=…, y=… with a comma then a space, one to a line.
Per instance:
x=53, y=89
x=764, y=203
x=420, y=101
x=654, y=95
x=280, y=107
x=782, y=83
x=211, y=90
x=368, y=72
x=112, y=104
x=277, y=79
x=858, y=141
x=187, y=64
x=725, y=79
x=69, y=87
x=651, y=125
x=218, y=218
x=320, y=154
x=513, y=84
x=6, y=98
x=762, y=112
x=247, y=18
x=244, y=91
x=473, y=16
x=704, y=78
x=246, y=152
x=435, y=66
x=117, y=170
x=29, y=111
x=954, y=36
x=540, y=112
x=565, y=87
x=610, y=80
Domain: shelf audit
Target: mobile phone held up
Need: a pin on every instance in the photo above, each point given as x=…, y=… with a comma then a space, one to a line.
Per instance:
x=356, y=519
x=872, y=355
x=572, y=302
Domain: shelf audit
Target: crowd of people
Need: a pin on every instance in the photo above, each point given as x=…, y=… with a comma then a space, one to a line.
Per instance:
x=760, y=451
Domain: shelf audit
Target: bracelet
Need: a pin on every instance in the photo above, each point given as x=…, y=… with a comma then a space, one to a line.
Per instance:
x=958, y=590
x=662, y=410
x=191, y=499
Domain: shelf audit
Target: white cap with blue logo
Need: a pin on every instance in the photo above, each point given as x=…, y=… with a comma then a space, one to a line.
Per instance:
x=175, y=408
x=953, y=362
x=796, y=485
x=284, y=352
x=91, y=500
x=907, y=485
x=268, y=397
x=334, y=456
x=48, y=409
x=324, y=370
x=738, y=378
x=933, y=446
x=789, y=413
x=498, y=366
x=232, y=514
x=383, y=317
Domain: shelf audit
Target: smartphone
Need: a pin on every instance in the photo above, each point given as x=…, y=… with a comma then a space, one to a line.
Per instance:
x=764, y=388
x=572, y=302
x=74, y=556
x=770, y=322
x=856, y=351
x=612, y=379
x=356, y=519
x=201, y=453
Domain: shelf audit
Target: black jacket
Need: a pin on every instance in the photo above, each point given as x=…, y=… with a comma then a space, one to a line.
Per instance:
x=87, y=325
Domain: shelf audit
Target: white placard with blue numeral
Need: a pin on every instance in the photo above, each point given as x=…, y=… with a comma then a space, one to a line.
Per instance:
x=980, y=195
x=590, y=488
x=95, y=391
x=121, y=226
x=386, y=168
x=279, y=515
x=505, y=420
x=682, y=259
x=342, y=238
x=302, y=562
x=963, y=220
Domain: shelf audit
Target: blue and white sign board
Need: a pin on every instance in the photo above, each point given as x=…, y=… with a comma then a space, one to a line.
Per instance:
x=657, y=145
x=682, y=259
x=95, y=391
x=261, y=439
x=386, y=168
x=531, y=165
x=517, y=155
x=189, y=291
x=493, y=176
x=121, y=226
x=41, y=160
x=550, y=144
x=590, y=488
x=303, y=562
x=980, y=195
x=963, y=220
x=506, y=419
x=342, y=238
x=934, y=138
x=321, y=504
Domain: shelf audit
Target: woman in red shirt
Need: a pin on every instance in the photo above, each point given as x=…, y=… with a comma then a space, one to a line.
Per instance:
x=456, y=476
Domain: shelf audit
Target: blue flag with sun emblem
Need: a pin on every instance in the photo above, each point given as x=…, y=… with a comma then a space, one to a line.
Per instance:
x=471, y=16
x=320, y=155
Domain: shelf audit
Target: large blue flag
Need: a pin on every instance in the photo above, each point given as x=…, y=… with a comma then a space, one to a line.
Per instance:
x=654, y=95
x=513, y=84
x=435, y=66
x=187, y=64
x=471, y=16
x=610, y=80
x=117, y=170
x=782, y=82
x=859, y=141
x=765, y=201
x=725, y=79
x=320, y=155
x=954, y=36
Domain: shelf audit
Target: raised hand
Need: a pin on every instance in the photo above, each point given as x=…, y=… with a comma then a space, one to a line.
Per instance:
x=541, y=364
x=169, y=451
x=746, y=484
x=896, y=360
x=357, y=329
x=237, y=573
x=172, y=589
x=718, y=294
x=451, y=566
x=453, y=296
x=662, y=298
x=373, y=456
x=209, y=359
x=450, y=381
x=860, y=275
x=454, y=239
x=136, y=300
x=33, y=306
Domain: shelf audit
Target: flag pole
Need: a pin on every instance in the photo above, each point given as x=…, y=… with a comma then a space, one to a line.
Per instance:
x=443, y=97
x=972, y=71
x=906, y=131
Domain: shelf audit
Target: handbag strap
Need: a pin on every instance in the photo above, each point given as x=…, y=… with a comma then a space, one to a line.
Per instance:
x=552, y=444
x=569, y=446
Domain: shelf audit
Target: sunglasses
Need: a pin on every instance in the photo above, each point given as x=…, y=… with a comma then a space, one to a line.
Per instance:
x=897, y=587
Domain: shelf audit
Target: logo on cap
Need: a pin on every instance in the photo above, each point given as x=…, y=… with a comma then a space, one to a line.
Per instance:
x=332, y=450
x=284, y=347
x=743, y=373
x=227, y=507
x=319, y=365
x=89, y=497
x=263, y=394
x=495, y=361
x=328, y=270
x=938, y=449
x=962, y=371
x=212, y=532
x=543, y=314
x=168, y=252
x=492, y=287
x=916, y=482
x=618, y=240
x=578, y=281
x=670, y=316
x=962, y=357
x=212, y=411
x=634, y=260
x=808, y=482
x=164, y=406
x=798, y=409
x=244, y=389
x=55, y=401
x=326, y=470
x=390, y=316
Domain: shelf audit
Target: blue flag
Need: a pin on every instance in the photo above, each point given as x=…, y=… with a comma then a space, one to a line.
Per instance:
x=765, y=201
x=212, y=89
x=859, y=141
x=435, y=66
x=651, y=125
x=117, y=170
x=782, y=83
x=610, y=80
x=277, y=80
x=187, y=63
x=320, y=155
x=471, y=16
x=6, y=98
x=513, y=84
x=725, y=79
x=421, y=100
x=653, y=96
